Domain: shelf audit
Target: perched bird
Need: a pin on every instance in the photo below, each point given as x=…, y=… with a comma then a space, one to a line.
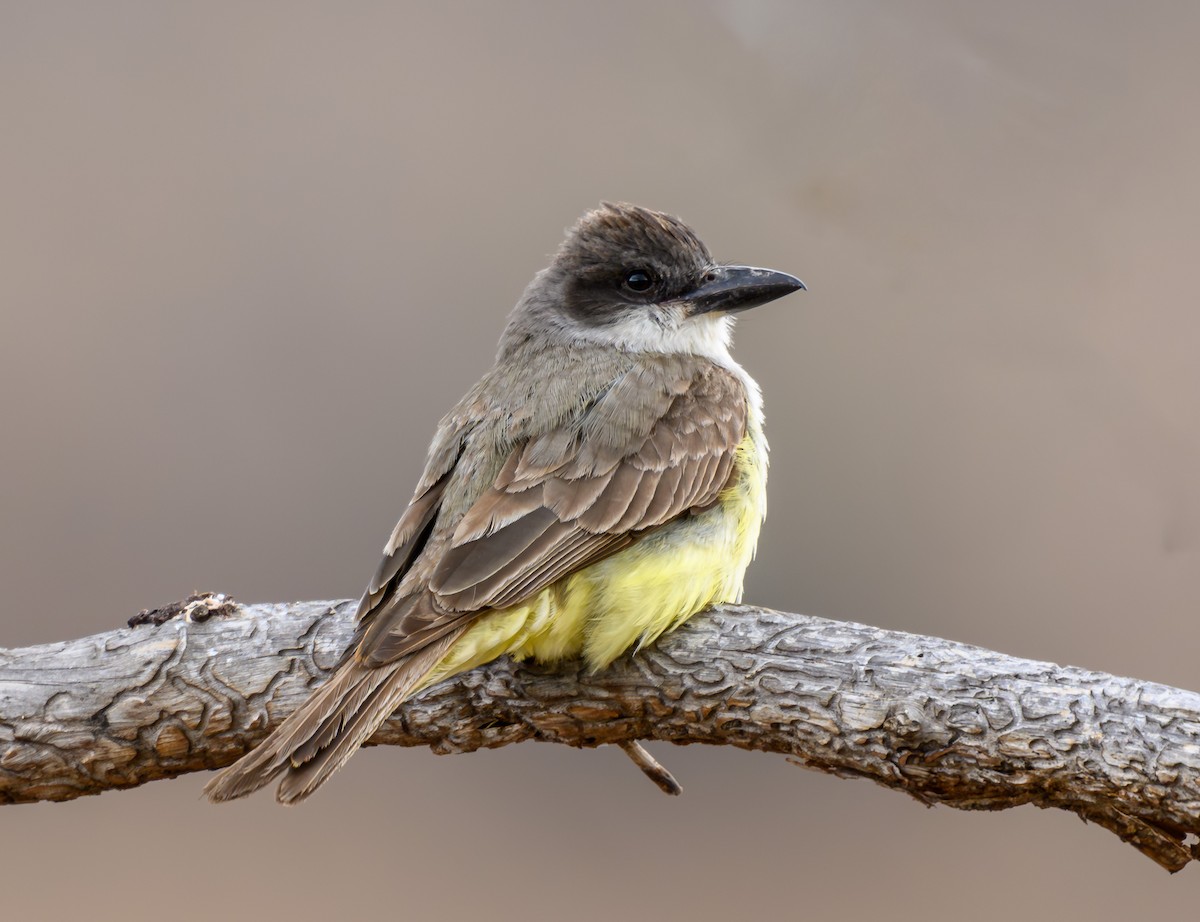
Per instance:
x=602, y=483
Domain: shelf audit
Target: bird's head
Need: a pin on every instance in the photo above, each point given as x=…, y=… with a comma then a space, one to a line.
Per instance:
x=642, y=280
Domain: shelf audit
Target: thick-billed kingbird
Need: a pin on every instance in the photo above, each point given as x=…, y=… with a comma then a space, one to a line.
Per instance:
x=601, y=484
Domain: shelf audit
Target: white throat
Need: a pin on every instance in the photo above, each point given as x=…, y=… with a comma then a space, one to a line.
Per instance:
x=707, y=336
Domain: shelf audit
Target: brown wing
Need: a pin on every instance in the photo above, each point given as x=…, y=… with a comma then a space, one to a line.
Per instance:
x=630, y=463
x=561, y=503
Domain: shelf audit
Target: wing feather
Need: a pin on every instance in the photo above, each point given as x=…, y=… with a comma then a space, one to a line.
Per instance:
x=569, y=499
x=408, y=538
x=639, y=502
x=611, y=505
x=404, y=624
x=662, y=507
x=465, y=565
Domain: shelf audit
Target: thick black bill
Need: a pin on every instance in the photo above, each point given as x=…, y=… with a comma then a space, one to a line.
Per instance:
x=739, y=288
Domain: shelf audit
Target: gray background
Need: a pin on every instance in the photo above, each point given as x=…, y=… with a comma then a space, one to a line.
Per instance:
x=251, y=252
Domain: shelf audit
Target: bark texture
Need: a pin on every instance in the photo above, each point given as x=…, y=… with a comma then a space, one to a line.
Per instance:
x=195, y=685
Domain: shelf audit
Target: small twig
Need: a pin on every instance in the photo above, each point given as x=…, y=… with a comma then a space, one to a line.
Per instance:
x=651, y=767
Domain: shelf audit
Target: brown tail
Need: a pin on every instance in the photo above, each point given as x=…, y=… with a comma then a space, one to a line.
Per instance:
x=325, y=731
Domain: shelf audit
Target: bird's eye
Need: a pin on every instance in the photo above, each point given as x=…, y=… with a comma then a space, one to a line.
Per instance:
x=639, y=280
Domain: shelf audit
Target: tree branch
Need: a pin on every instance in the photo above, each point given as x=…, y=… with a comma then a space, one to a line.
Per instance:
x=945, y=722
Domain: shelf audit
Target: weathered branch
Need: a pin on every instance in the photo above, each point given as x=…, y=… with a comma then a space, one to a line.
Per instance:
x=945, y=722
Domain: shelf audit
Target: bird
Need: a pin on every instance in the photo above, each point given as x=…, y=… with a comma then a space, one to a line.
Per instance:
x=603, y=482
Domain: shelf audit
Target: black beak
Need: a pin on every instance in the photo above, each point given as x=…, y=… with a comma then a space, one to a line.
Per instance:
x=739, y=288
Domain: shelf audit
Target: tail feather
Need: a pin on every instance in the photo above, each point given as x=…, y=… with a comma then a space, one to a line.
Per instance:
x=305, y=776
x=321, y=735
x=264, y=763
x=309, y=740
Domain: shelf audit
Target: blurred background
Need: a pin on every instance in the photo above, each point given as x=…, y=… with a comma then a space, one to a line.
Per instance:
x=246, y=247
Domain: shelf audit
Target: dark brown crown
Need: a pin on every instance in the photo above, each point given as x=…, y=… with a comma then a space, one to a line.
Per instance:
x=623, y=235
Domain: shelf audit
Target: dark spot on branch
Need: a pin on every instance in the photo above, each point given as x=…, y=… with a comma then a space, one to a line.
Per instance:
x=197, y=607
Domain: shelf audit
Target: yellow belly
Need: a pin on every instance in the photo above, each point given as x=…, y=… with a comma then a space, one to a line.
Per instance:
x=629, y=599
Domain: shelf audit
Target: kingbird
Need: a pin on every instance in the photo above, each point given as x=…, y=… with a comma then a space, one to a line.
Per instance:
x=601, y=484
